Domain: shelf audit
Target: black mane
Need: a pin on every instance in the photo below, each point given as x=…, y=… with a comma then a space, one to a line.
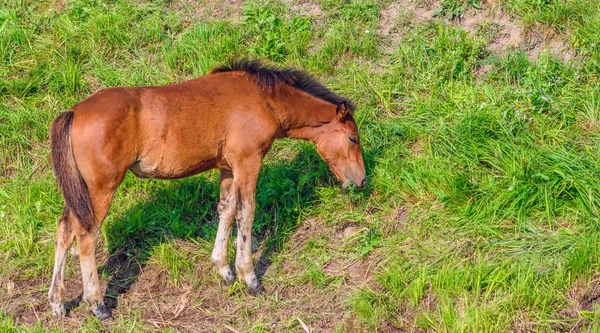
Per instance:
x=268, y=78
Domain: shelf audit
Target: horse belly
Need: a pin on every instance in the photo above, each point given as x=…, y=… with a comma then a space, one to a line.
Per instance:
x=179, y=137
x=172, y=166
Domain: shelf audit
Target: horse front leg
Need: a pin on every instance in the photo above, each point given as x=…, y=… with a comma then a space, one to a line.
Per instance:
x=243, y=261
x=245, y=183
x=226, y=208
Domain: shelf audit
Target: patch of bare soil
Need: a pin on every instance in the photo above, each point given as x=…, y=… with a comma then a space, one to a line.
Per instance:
x=584, y=296
x=417, y=148
x=212, y=9
x=140, y=291
x=233, y=10
x=397, y=16
x=508, y=35
x=397, y=221
x=504, y=33
x=355, y=273
x=539, y=40
x=305, y=8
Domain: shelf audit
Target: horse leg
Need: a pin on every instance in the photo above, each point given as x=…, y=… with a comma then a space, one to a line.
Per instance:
x=245, y=180
x=226, y=210
x=101, y=195
x=92, y=294
x=64, y=239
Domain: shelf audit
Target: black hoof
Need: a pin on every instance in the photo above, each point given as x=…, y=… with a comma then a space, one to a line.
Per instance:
x=101, y=312
x=257, y=290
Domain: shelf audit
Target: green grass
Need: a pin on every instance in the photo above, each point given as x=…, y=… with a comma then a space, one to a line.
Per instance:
x=482, y=209
x=455, y=9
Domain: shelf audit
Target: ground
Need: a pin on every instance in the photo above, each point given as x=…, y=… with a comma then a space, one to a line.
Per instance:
x=479, y=123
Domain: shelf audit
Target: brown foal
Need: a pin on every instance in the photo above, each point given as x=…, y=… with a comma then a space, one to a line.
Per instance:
x=226, y=120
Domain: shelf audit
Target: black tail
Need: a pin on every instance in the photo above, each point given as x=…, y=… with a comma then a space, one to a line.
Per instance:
x=70, y=181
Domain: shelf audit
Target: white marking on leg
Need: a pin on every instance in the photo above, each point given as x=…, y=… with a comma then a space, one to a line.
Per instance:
x=89, y=270
x=243, y=260
x=64, y=240
x=226, y=210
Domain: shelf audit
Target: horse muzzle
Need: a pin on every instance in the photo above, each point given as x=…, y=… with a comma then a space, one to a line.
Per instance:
x=359, y=180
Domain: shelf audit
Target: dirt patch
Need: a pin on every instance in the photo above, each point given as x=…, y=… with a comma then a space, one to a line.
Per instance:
x=407, y=315
x=350, y=232
x=494, y=22
x=310, y=228
x=397, y=17
x=397, y=220
x=482, y=70
x=539, y=40
x=305, y=8
x=233, y=10
x=355, y=273
x=211, y=10
x=346, y=272
x=416, y=148
x=584, y=296
x=403, y=215
x=505, y=34
x=146, y=293
x=491, y=22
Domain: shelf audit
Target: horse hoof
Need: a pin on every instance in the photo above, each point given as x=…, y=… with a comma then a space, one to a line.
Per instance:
x=101, y=312
x=59, y=310
x=257, y=290
x=229, y=278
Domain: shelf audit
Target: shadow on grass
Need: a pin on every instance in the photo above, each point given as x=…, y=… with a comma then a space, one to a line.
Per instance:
x=186, y=209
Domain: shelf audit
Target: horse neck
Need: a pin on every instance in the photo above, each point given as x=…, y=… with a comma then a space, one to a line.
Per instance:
x=300, y=114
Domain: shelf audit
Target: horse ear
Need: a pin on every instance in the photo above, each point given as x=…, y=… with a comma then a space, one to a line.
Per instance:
x=342, y=111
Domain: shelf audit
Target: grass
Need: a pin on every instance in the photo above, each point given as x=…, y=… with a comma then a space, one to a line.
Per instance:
x=482, y=209
x=456, y=9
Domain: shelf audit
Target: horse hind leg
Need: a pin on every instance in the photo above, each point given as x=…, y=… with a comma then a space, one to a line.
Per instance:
x=89, y=161
x=68, y=230
x=64, y=240
x=101, y=195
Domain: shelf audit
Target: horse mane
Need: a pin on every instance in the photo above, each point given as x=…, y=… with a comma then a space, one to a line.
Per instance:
x=269, y=78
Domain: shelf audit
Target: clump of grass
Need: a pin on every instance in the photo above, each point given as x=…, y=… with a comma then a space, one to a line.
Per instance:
x=557, y=15
x=274, y=36
x=371, y=307
x=455, y=9
x=178, y=259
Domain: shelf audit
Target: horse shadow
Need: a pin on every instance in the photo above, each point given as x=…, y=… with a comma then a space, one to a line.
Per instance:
x=187, y=209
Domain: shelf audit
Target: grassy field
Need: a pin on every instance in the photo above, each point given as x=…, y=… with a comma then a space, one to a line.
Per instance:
x=480, y=123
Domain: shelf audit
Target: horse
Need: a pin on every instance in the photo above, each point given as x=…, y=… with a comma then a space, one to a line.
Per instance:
x=227, y=119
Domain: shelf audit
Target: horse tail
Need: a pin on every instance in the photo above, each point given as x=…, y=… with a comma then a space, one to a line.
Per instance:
x=71, y=182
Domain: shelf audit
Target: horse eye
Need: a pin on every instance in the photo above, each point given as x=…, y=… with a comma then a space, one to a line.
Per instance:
x=353, y=139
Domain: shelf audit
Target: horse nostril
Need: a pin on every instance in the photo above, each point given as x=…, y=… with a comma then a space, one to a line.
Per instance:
x=363, y=183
